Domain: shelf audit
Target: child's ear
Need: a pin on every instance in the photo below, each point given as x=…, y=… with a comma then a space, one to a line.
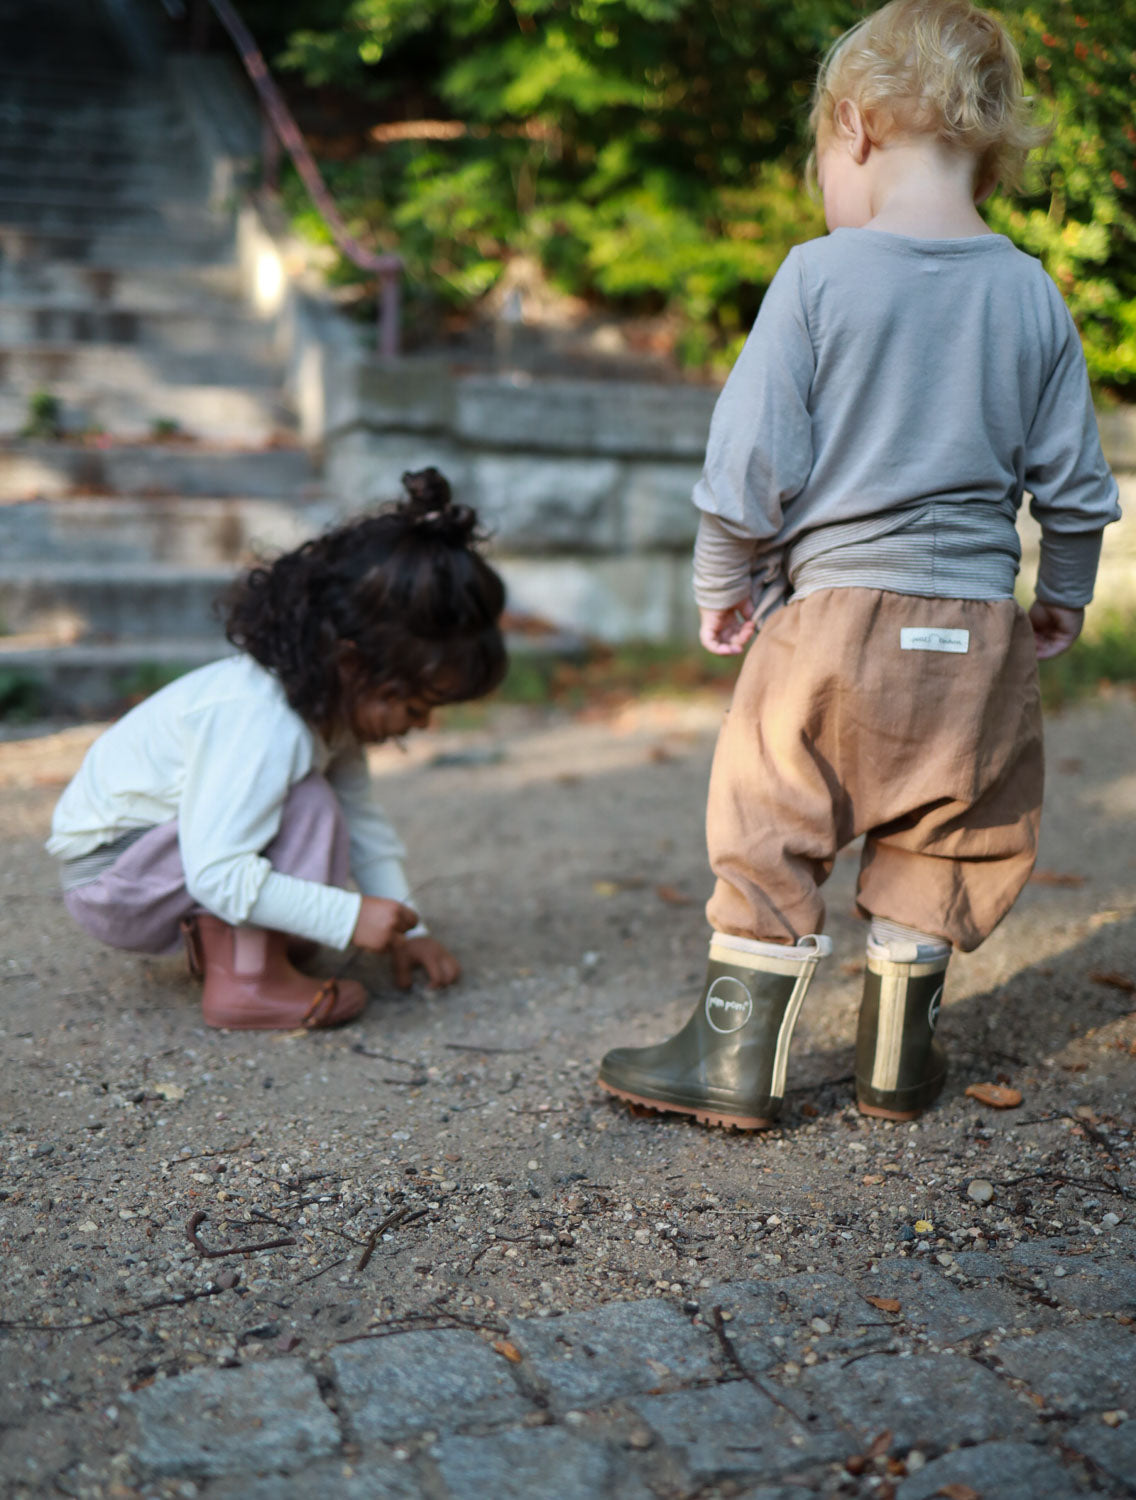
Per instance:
x=852, y=130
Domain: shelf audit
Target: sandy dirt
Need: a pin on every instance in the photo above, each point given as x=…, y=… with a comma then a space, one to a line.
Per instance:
x=562, y=859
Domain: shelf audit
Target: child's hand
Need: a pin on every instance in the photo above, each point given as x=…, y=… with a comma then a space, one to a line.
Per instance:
x=408, y=954
x=726, y=631
x=1055, y=628
x=381, y=923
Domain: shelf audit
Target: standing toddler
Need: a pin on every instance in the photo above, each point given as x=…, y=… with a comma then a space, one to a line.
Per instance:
x=909, y=376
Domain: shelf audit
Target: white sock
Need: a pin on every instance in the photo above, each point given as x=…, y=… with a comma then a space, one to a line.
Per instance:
x=905, y=945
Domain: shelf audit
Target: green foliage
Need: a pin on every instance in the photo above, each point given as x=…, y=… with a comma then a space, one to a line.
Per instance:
x=1103, y=657
x=1078, y=212
x=650, y=152
x=45, y=416
x=21, y=696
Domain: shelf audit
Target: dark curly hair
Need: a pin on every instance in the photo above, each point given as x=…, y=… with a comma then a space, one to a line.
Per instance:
x=400, y=600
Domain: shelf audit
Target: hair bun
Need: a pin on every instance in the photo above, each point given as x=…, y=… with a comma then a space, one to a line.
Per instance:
x=429, y=507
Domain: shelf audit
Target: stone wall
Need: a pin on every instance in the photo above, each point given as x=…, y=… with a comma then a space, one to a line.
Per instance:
x=584, y=484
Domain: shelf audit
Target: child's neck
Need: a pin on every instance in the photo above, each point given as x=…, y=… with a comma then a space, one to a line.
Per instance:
x=923, y=189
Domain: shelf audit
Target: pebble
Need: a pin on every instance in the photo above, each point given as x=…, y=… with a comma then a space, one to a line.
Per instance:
x=980, y=1191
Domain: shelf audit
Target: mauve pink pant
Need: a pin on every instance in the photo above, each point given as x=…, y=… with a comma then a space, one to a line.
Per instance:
x=141, y=900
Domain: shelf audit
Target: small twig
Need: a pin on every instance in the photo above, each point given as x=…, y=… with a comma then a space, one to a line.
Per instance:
x=419, y=1326
x=400, y=1216
x=331, y=1265
x=407, y=1083
x=383, y=1056
x=206, y=1254
x=718, y=1326
x=1085, y=1182
x=466, y=1047
x=197, y=1155
x=98, y=1320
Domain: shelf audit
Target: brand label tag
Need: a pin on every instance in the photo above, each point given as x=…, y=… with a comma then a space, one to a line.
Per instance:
x=927, y=638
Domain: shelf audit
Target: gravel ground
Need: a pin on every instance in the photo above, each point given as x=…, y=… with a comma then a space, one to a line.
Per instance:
x=449, y=1161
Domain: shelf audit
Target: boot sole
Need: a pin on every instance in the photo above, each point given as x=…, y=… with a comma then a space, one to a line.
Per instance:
x=703, y=1116
x=875, y=1111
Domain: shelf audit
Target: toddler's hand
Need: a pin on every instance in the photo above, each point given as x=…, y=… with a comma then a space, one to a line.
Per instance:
x=381, y=923
x=1055, y=628
x=726, y=631
x=408, y=954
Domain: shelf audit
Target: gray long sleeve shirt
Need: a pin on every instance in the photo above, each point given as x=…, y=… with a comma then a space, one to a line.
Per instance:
x=894, y=401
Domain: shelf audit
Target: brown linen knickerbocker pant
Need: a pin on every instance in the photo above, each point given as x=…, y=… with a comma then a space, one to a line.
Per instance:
x=836, y=731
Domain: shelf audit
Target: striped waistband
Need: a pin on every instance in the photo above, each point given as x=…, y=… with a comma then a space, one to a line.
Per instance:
x=87, y=867
x=945, y=550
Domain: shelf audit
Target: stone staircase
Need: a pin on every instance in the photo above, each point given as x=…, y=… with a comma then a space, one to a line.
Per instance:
x=145, y=449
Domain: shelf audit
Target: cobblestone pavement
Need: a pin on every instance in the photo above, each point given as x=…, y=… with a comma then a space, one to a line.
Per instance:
x=919, y=1380
x=432, y=1260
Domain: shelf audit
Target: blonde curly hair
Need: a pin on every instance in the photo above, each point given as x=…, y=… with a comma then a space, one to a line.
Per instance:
x=938, y=67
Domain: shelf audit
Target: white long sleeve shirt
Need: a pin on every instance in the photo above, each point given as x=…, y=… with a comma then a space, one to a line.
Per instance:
x=219, y=750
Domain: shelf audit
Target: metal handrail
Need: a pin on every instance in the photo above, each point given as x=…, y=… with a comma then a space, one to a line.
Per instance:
x=387, y=268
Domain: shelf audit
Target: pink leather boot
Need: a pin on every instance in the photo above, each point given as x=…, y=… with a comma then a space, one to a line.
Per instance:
x=250, y=985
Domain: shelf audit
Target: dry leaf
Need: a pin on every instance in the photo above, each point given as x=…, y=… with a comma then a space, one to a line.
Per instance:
x=672, y=895
x=996, y=1095
x=886, y=1304
x=880, y=1444
x=508, y=1351
x=872, y=1179
x=1056, y=877
x=605, y=888
x=958, y=1492
x=1114, y=980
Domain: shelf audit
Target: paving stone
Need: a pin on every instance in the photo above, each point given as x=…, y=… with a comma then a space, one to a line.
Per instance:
x=623, y=1349
x=1112, y=1448
x=1009, y=1471
x=1094, y=1286
x=215, y=1422
x=371, y=1478
x=437, y=1380
x=979, y=1264
x=929, y=1301
x=736, y=1429
x=926, y=1401
x=545, y=1463
x=1089, y=1369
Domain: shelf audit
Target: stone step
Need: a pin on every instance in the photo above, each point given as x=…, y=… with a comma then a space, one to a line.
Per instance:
x=215, y=413
x=126, y=370
x=54, y=471
x=38, y=538
x=222, y=331
x=92, y=117
x=189, y=290
x=126, y=180
x=69, y=603
x=185, y=220
x=33, y=151
x=102, y=680
x=111, y=247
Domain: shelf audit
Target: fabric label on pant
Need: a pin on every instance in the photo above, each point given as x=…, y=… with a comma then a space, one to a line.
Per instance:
x=928, y=638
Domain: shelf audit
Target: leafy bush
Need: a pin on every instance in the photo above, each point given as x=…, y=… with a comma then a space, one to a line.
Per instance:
x=649, y=152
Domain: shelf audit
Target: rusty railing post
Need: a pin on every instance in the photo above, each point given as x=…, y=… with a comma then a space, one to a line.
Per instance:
x=284, y=131
x=390, y=311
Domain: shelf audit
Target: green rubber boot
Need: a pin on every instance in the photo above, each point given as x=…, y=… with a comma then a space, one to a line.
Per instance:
x=727, y=1064
x=900, y=1067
